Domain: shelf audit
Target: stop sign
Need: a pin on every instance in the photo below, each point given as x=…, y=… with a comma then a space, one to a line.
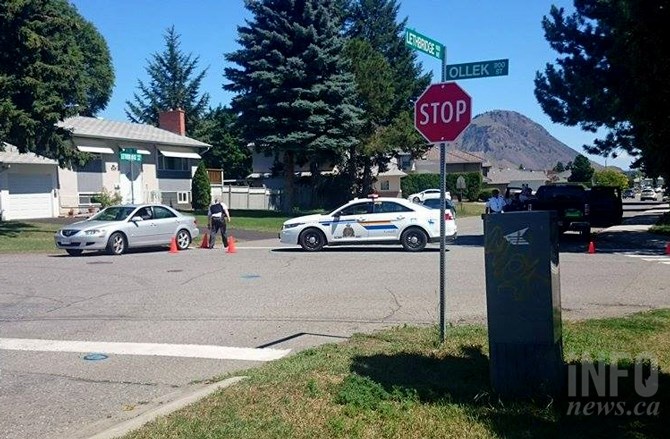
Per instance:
x=442, y=112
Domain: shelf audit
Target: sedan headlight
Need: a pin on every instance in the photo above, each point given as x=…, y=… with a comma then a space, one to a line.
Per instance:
x=94, y=232
x=290, y=226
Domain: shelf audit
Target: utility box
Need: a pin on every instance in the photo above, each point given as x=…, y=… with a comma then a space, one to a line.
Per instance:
x=523, y=301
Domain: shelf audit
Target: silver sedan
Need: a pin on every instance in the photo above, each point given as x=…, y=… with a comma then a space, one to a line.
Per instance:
x=117, y=228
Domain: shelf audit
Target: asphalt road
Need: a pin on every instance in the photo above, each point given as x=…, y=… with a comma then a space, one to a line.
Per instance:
x=140, y=310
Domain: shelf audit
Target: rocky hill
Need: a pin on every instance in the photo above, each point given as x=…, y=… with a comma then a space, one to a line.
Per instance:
x=509, y=139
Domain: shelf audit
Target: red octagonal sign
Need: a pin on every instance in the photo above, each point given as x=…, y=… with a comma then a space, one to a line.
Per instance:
x=442, y=112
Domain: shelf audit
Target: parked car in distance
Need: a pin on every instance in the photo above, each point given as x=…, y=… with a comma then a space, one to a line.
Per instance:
x=648, y=194
x=628, y=193
x=434, y=203
x=369, y=221
x=118, y=228
x=422, y=196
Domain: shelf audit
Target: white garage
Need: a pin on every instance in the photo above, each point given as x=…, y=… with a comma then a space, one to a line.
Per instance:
x=28, y=186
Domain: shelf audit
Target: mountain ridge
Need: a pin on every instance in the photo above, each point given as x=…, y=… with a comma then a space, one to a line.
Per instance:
x=508, y=139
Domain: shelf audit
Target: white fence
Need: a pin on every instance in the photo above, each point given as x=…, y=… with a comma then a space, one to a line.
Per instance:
x=246, y=197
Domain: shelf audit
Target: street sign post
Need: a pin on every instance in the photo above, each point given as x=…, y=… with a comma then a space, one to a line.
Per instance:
x=424, y=44
x=480, y=69
x=461, y=185
x=427, y=45
x=130, y=155
x=442, y=112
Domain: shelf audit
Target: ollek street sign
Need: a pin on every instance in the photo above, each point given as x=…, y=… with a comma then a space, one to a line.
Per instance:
x=442, y=112
x=424, y=44
x=480, y=69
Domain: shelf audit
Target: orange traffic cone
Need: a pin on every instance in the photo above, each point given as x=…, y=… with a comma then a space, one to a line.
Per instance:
x=667, y=248
x=231, y=245
x=205, y=241
x=173, y=245
x=592, y=247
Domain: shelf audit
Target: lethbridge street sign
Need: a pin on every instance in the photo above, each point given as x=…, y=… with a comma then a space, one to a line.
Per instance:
x=424, y=44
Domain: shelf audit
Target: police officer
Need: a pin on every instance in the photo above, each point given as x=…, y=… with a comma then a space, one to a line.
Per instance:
x=496, y=203
x=216, y=214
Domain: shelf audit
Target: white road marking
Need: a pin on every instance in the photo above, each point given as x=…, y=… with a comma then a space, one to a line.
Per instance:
x=150, y=349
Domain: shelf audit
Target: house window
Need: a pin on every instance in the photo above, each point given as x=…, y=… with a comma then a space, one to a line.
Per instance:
x=86, y=199
x=182, y=197
x=385, y=185
x=93, y=165
x=172, y=163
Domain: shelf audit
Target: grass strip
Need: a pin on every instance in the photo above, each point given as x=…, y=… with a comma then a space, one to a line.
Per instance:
x=400, y=383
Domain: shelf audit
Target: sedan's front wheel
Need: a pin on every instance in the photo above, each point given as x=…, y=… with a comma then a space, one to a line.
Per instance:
x=116, y=245
x=312, y=240
x=183, y=239
x=414, y=239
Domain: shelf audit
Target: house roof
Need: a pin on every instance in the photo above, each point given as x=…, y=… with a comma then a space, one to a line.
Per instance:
x=507, y=176
x=11, y=154
x=109, y=129
x=456, y=156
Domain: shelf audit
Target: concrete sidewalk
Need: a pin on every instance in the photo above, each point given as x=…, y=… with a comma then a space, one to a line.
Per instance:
x=634, y=232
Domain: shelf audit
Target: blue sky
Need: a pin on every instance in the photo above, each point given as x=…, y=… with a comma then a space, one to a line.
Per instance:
x=472, y=30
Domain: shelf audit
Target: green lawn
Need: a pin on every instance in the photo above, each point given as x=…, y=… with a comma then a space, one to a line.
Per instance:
x=662, y=227
x=401, y=383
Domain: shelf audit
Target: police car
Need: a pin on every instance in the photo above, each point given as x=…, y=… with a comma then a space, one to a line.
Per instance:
x=371, y=220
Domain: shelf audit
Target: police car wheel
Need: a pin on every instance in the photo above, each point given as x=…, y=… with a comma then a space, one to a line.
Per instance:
x=312, y=240
x=414, y=239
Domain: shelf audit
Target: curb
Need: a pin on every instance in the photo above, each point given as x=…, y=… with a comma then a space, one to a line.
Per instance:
x=126, y=427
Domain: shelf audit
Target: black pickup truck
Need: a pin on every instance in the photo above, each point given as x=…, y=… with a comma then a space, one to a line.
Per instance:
x=571, y=203
x=606, y=206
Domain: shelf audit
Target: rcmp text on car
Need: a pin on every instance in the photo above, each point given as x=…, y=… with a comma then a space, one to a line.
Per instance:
x=370, y=221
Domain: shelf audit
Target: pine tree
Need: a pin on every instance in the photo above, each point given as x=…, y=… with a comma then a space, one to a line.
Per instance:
x=295, y=96
x=611, y=75
x=383, y=64
x=53, y=64
x=582, y=171
x=201, y=189
x=174, y=83
x=559, y=167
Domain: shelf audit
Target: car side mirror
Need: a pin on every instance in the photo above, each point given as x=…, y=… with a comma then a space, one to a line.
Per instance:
x=136, y=219
x=337, y=214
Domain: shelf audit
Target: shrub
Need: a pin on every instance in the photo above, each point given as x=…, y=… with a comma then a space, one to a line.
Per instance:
x=485, y=194
x=106, y=198
x=201, y=189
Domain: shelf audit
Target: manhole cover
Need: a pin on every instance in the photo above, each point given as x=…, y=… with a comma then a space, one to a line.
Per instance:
x=95, y=357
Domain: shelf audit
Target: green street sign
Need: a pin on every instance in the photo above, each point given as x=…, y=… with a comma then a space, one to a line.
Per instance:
x=130, y=155
x=424, y=44
x=481, y=69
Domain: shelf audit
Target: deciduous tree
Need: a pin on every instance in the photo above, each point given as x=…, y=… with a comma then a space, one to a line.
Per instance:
x=611, y=177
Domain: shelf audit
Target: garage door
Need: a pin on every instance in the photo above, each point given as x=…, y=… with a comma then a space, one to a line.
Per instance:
x=30, y=196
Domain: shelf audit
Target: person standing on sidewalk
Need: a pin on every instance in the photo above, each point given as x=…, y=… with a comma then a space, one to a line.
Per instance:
x=218, y=215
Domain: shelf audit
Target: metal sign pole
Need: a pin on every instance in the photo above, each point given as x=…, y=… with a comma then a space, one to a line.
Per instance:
x=132, y=182
x=443, y=184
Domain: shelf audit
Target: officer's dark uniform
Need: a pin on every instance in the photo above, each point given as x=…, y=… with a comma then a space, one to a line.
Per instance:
x=218, y=222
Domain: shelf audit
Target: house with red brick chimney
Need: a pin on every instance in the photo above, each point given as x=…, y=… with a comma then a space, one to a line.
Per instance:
x=142, y=163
